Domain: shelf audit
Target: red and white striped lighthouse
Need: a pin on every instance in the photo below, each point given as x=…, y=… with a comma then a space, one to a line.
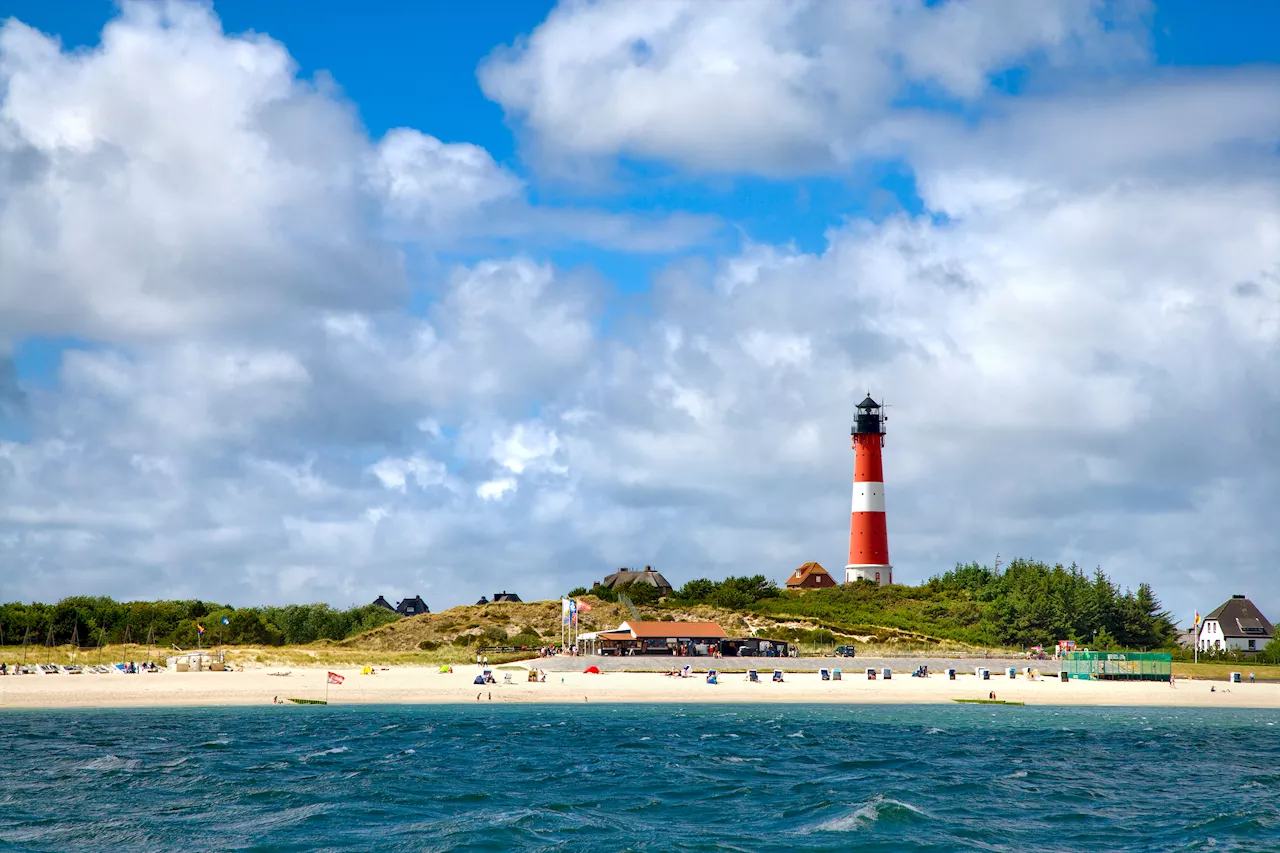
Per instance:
x=868, y=536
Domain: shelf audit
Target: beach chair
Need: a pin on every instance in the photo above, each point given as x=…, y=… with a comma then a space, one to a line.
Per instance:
x=711, y=677
x=886, y=673
x=777, y=675
x=835, y=675
x=871, y=673
x=753, y=676
x=506, y=678
x=824, y=674
x=687, y=671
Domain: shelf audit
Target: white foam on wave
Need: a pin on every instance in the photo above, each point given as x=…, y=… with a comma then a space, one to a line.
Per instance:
x=796, y=734
x=110, y=762
x=934, y=731
x=1017, y=774
x=867, y=814
x=331, y=751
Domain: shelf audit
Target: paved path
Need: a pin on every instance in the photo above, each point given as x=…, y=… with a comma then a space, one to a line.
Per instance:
x=858, y=665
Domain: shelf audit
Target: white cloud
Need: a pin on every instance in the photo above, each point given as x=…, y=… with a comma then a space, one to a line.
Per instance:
x=174, y=180
x=772, y=87
x=1075, y=353
x=424, y=178
x=492, y=490
x=394, y=474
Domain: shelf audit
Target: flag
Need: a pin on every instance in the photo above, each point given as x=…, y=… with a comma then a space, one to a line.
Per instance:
x=334, y=678
x=564, y=611
x=1197, y=618
x=584, y=607
x=573, y=611
x=199, y=628
x=226, y=620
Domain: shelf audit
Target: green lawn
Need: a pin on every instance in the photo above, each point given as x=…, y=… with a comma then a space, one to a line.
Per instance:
x=1223, y=670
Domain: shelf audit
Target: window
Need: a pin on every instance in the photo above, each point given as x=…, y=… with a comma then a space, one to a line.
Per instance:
x=1253, y=645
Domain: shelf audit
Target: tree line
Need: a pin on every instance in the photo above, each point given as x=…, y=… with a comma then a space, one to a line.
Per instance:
x=92, y=621
x=1027, y=603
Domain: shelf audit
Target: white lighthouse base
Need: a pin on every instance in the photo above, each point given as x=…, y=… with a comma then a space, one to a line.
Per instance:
x=880, y=574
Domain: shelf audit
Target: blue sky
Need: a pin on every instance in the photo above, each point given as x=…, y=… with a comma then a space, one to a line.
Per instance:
x=485, y=312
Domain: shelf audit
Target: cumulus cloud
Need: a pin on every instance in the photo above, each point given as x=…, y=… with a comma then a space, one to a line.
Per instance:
x=772, y=87
x=1074, y=337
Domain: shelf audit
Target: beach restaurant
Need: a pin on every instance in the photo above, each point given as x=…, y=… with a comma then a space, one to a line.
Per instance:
x=654, y=638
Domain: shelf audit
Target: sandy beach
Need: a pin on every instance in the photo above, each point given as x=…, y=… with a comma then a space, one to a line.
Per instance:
x=425, y=685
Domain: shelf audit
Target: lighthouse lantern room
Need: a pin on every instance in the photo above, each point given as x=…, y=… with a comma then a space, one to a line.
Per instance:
x=868, y=537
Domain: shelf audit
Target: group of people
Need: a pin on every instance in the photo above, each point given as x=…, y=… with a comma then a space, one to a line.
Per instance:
x=130, y=668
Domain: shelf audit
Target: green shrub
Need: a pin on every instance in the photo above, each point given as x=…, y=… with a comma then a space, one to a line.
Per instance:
x=530, y=640
x=428, y=645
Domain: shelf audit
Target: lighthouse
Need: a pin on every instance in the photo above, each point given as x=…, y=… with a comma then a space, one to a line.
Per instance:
x=868, y=537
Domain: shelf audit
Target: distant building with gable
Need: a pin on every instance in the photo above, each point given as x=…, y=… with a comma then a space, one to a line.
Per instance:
x=1237, y=625
x=409, y=607
x=510, y=597
x=412, y=607
x=810, y=576
x=623, y=577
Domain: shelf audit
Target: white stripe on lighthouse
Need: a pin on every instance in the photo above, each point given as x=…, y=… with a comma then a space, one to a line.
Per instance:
x=868, y=497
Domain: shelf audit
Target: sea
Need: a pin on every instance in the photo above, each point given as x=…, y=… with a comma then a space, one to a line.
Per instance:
x=491, y=777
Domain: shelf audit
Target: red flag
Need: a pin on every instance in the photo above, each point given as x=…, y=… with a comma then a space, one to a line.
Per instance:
x=584, y=607
x=334, y=678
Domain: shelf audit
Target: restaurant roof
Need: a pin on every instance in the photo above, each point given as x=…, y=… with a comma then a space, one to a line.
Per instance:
x=653, y=630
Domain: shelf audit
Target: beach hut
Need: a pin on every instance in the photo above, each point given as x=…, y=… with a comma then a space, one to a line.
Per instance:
x=835, y=675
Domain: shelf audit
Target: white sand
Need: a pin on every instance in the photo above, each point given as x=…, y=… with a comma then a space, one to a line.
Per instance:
x=425, y=685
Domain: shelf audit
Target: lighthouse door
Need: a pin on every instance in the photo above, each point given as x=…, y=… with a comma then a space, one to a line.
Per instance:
x=877, y=577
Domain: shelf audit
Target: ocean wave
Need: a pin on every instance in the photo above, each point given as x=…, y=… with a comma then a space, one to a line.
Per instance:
x=336, y=750
x=110, y=763
x=875, y=810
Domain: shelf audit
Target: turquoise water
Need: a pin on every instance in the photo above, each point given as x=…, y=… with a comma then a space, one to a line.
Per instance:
x=641, y=778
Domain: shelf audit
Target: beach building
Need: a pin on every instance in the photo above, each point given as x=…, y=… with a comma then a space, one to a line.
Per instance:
x=506, y=596
x=648, y=638
x=622, y=577
x=412, y=606
x=1236, y=625
x=810, y=576
x=382, y=602
x=754, y=647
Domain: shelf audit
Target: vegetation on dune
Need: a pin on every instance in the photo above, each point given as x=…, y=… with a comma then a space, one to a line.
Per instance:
x=91, y=621
x=1028, y=603
x=970, y=607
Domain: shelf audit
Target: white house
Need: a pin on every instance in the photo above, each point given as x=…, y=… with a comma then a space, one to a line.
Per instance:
x=1237, y=625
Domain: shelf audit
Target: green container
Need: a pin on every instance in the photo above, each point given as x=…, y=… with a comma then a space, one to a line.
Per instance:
x=1118, y=666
